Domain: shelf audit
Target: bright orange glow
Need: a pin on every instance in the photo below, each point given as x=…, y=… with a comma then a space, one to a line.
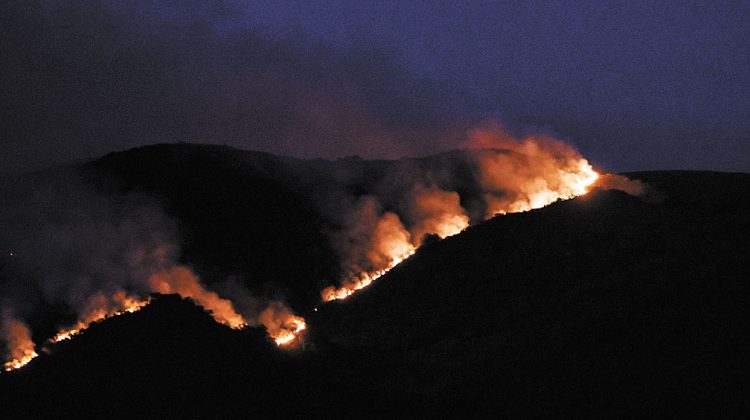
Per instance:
x=516, y=175
x=363, y=280
x=436, y=212
x=20, y=345
x=522, y=174
x=184, y=282
x=100, y=307
x=294, y=326
x=20, y=362
x=284, y=328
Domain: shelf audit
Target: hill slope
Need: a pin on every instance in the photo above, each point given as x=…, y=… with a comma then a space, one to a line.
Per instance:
x=596, y=305
x=599, y=305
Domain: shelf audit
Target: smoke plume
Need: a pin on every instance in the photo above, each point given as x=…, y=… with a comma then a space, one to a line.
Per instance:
x=435, y=211
x=100, y=256
x=520, y=174
x=181, y=280
x=20, y=348
x=511, y=173
x=622, y=183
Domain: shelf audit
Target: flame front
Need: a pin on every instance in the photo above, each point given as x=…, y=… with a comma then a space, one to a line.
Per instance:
x=515, y=175
x=100, y=307
x=184, y=282
x=19, y=362
x=363, y=280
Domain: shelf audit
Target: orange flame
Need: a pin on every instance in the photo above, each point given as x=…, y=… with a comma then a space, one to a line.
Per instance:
x=294, y=326
x=436, y=212
x=182, y=281
x=521, y=174
x=362, y=280
x=21, y=347
x=100, y=307
x=529, y=173
x=516, y=175
x=282, y=326
x=390, y=244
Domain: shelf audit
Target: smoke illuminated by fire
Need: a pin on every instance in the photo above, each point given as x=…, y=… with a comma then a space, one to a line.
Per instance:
x=284, y=327
x=437, y=212
x=509, y=174
x=363, y=280
x=182, y=281
x=100, y=307
x=20, y=346
x=388, y=243
x=521, y=174
x=515, y=175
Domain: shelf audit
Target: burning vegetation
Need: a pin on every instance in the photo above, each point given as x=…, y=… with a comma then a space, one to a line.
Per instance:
x=515, y=175
x=100, y=307
x=284, y=328
x=380, y=229
x=20, y=347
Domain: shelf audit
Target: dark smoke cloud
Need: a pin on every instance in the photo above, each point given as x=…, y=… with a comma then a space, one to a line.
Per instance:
x=82, y=78
x=70, y=243
x=71, y=247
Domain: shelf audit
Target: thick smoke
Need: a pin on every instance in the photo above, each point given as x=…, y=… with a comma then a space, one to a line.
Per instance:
x=435, y=211
x=181, y=280
x=99, y=256
x=511, y=173
x=528, y=172
x=71, y=243
x=371, y=238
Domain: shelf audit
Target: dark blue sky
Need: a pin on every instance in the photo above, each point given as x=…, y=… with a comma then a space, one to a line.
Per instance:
x=649, y=85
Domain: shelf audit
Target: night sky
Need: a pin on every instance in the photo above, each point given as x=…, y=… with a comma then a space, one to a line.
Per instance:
x=633, y=85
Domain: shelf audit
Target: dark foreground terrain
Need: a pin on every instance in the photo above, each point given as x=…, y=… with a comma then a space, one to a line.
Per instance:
x=606, y=305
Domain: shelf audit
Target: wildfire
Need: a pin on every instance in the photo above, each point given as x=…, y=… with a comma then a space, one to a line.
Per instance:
x=184, y=282
x=20, y=362
x=101, y=308
x=515, y=175
x=21, y=347
x=363, y=280
x=294, y=326
x=572, y=183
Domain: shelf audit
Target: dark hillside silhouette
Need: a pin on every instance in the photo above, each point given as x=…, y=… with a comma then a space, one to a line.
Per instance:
x=603, y=305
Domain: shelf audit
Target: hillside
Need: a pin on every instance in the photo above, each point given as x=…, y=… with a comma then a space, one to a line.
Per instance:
x=602, y=304
x=605, y=304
